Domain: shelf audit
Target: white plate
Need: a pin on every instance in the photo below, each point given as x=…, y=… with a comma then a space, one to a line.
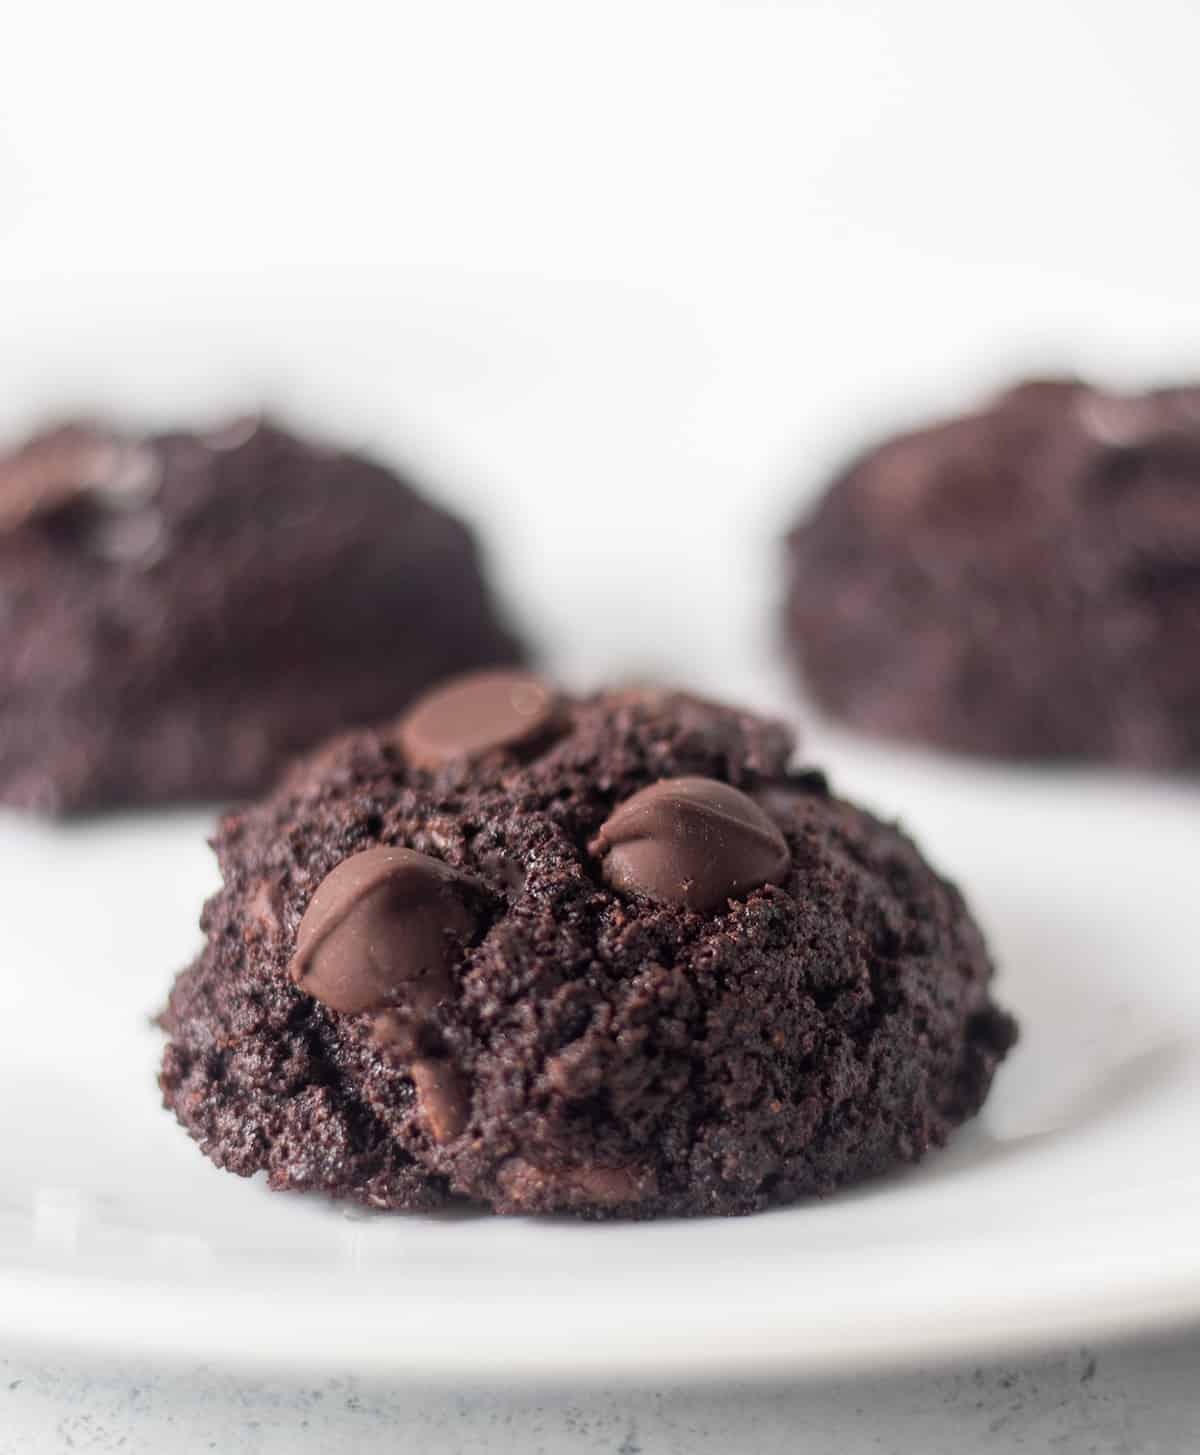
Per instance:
x=625, y=339
x=1068, y=1209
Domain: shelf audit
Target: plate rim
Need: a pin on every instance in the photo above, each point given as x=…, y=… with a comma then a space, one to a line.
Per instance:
x=103, y=1315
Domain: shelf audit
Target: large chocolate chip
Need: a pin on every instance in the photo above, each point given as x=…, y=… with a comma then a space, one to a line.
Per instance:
x=383, y=930
x=477, y=714
x=73, y=462
x=694, y=842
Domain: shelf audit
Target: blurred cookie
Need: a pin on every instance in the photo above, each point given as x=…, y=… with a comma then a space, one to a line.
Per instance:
x=179, y=614
x=1023, y=581
x=607, y=956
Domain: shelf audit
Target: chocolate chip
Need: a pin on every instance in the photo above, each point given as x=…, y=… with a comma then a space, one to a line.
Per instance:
x=478, y=714
x=383, y=930
x=74, y=462
x=693, y=842
x=442, y=1095
x=263, y=917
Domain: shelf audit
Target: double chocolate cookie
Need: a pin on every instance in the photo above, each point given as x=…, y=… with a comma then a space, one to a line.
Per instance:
x=608, y=956
x=1023, y=581
x=180, y=614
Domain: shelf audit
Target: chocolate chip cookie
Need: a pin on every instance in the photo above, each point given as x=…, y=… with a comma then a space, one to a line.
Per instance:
x=1023, y=581
x=609, y=956
x=181, y=613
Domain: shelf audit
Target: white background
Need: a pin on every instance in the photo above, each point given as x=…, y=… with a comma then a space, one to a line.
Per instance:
x=623, y=278
x=622, y=281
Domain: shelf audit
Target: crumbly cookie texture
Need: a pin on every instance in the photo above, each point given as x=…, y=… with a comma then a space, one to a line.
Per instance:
x=617, y=959
x=1022, y=582
x=180, y=614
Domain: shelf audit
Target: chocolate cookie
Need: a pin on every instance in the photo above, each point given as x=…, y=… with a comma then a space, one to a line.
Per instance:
x=180, y=614
x=1022, y=582
x=608, y=956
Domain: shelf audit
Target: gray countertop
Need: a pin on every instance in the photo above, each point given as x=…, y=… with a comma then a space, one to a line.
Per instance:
x=1123, y=1400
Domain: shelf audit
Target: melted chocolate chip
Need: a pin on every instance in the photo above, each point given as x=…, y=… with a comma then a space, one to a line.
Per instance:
x=380, y=935
x=479, y=714
x=383, y=930
x=443, y=1096
x=693, y=842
